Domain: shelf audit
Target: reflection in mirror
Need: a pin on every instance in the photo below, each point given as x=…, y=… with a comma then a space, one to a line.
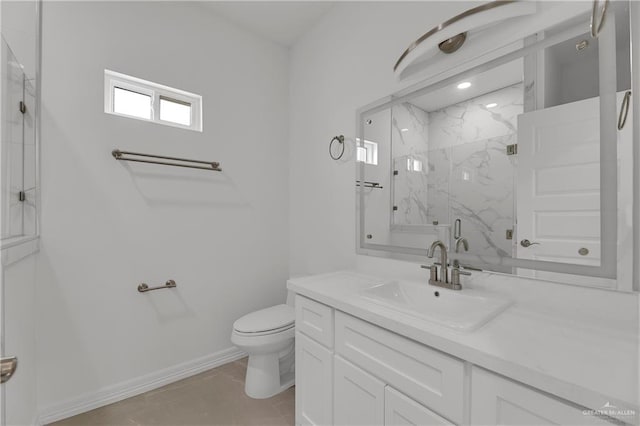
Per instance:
x=18, y=149
x=509, y=156
x=374, y=154
x=450, y=163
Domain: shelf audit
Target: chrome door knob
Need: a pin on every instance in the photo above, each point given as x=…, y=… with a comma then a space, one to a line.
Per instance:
x=527, y=243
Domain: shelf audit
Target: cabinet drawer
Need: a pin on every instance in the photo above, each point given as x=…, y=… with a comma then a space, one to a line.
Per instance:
x=499, y=401
x=426, y=375
x=401, y=410
x=315, y=320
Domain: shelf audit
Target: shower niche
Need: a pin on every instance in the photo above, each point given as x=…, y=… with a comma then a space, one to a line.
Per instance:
x=18, y=156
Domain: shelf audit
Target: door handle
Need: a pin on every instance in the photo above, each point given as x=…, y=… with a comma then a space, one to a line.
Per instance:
x=527, y=243
x=8, y=366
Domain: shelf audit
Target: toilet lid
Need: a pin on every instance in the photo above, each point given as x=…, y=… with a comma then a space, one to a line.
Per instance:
x=273, y=318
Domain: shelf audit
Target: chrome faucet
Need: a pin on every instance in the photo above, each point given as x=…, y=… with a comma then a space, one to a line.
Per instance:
x=464, y=242
x=444, y=271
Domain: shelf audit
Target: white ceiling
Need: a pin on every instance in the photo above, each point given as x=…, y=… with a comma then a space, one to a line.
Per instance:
x=282, y=22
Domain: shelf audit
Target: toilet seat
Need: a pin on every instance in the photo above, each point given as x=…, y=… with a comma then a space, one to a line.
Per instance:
x=264, y=333
x=271, y=320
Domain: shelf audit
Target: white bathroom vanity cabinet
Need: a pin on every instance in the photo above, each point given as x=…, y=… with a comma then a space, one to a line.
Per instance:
x=354, y=366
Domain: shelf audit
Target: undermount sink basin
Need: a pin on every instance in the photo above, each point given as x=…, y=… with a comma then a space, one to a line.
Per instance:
x=463, y=310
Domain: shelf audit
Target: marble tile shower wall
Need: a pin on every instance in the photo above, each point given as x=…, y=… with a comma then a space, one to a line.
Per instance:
x=452, y=164
x=482, y=175
x=472, y=121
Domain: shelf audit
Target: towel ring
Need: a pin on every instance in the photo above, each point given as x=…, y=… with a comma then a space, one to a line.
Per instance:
x=340, y=140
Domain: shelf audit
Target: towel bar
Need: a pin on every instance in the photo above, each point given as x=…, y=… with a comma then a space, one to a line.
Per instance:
x=210, y=165
x=143, y=288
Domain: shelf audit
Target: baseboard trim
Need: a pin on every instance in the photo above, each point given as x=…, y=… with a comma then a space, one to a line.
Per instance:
x=136, y=386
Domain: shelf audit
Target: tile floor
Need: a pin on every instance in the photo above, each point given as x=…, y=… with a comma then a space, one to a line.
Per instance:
x=215, y=397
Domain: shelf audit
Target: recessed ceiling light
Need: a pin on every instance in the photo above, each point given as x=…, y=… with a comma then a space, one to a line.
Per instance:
x=491, y=105
x=404, y=130
x=464, y=85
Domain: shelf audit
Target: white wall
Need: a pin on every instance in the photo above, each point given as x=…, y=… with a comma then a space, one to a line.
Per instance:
x=108, y=226
x=342, y=64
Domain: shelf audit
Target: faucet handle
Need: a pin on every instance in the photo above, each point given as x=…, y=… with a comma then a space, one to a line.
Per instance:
x=459, y=269
x=433, y=265
x=455, y=278
x=433, y=271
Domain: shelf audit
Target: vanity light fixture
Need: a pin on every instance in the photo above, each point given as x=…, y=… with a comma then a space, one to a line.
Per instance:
x=464, y=85
x=404, y=130
x=491, y=105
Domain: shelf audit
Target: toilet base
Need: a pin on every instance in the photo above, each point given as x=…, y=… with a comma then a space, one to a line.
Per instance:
x=264, y=379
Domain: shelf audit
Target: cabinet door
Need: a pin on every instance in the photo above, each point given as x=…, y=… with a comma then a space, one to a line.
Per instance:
x=499, y=401
x=402, y=410
x=314, y=387
x=358, y=396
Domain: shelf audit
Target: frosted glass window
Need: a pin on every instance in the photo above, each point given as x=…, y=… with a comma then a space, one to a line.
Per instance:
x=133, y=97
x=175, y=111
x=131, y=103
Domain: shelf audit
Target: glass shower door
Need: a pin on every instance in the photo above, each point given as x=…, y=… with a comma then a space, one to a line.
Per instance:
x=18, y=151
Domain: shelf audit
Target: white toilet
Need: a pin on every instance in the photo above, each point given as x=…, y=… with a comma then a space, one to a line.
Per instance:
x=267, y=336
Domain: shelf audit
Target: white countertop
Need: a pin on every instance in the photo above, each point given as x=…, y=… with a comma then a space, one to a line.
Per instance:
x=576, y=360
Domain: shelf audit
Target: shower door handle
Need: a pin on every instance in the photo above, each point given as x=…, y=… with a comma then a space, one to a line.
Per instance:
x=8, y=366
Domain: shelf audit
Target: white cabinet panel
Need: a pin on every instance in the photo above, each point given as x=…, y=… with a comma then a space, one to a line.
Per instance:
x=315, y=320
x=400, y=410
x=314, y=387
x=358, y=396
x=499, y=401
x=430, y=377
